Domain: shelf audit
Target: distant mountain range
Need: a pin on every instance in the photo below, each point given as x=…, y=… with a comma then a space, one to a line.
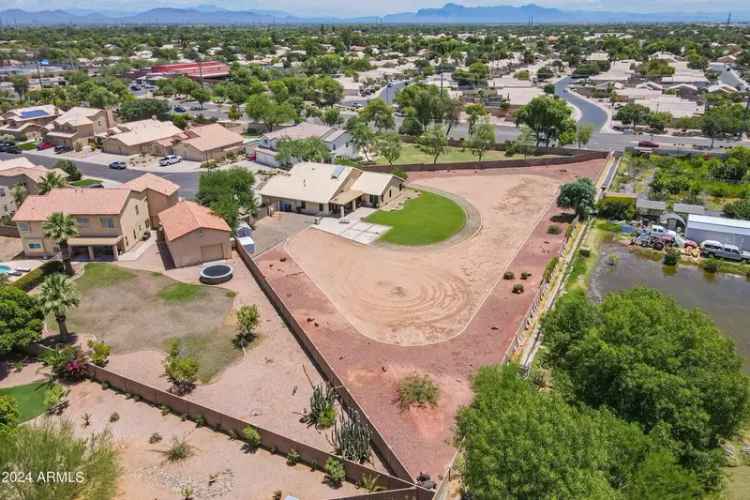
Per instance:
x=448, y=14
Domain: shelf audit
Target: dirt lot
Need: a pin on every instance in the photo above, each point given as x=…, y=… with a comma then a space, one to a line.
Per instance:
x=238, y=475
x=371, y=369
x=9, y=247
x=415, y=298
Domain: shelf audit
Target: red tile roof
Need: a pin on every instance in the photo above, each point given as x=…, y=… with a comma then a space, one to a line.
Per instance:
x=186, y=217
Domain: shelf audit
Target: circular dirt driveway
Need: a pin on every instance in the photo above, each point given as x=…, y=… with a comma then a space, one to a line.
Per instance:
x=428, y=296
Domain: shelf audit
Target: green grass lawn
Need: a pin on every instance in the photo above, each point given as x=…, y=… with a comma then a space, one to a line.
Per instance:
x=426, y=219
x=30, y=399
x=181, y=292
x=411, y=154
x=85, y=183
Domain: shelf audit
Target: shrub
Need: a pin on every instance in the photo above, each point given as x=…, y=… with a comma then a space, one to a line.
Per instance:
x=200, y=421
x=293, y=458
x=584, y=252
x=8, y=411
x=710, y=266
x=518, y=288
x=616, y=208
x=154, y=438
x=417, y=390
x=671, y=257
x=180, y=450
x=508, y=275
x=251, y=437
x=322, y=413
x=550, y=268
x=70, y=169
x=335, y=472
x=68, y=363
x=114, y=417
x=351, y=438
x=182, y=371
x=525, y=275
x=100, y=352
x=553, y=229
x=54, y=399
x=30, y=280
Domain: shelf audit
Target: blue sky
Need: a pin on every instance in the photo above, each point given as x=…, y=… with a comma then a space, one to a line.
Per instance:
x=348, y=8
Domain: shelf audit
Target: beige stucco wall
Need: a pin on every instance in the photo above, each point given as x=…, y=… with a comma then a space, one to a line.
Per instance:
x=157, y=203
x=186, y=251
x=188, y=152
x=391, y=191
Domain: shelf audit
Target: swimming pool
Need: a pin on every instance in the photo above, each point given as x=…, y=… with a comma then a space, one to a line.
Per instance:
x=5, y=269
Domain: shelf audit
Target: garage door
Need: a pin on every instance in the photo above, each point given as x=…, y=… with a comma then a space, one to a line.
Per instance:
x=212, y=252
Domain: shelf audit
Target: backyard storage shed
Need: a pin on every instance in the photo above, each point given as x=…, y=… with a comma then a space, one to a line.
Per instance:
x=194, y=234
x=728, y=231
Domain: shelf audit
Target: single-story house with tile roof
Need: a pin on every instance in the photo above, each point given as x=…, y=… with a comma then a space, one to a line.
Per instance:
x=207, y=142
x=337, y=140
x=161, y=194
x=140, y=137
x=194, y=234
x=20, y=171
x=28, y=122
x=109, y=221
x=78, y=125
x=324, y=189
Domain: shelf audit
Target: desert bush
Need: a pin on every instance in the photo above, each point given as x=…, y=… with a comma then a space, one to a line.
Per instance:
x=181, y=370
x=293, y=457
x=518, y=288
x=584, y=252
x=100, y=352
x=179, y=450
x=154, y=438
x=335, y=472
x=54, y=399
x=553, y=229
x=417, y=390
x=114, y=417
x=550, y=268
x=508, y=275
x=251, y=437
x=525, y=275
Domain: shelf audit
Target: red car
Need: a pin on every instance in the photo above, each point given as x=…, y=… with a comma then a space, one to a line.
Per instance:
x=647, y=144
x=251, y=156
x=44, y=145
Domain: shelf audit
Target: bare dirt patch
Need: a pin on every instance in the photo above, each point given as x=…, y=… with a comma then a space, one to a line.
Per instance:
x=419, y=298
x=9, y=247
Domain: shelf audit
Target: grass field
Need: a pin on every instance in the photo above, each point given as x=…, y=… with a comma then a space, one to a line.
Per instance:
x=424, y=220
x=30, y=399
x=85, y=183
x=411, y=154
x=141, y=310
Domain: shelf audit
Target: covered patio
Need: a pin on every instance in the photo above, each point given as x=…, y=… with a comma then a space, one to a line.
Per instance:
x=95, y=248
x=345, y=202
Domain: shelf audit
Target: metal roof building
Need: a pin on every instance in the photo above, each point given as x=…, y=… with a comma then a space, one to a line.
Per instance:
x=730, y=231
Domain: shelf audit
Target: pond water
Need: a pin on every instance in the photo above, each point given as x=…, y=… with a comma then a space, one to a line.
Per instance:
x=725, y=298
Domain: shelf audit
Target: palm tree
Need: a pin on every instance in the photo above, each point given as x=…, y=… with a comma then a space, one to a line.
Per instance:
x=57, y=295
x=50, y=181
x=60, y=227
x=19, y=193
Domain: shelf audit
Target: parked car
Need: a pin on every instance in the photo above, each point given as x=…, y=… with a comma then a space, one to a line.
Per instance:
x=118, y=165
x=44, y=145
x=9, y=148
x=647, y=144
x=196, y=108
x=170, y=160
x=135, y=87
x=251, y=156
x=179, y=109
x=61, y=149
x=711, y=248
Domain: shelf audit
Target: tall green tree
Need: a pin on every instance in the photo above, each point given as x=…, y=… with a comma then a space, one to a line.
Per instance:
x=579, y=195
x=58, y=294
x=482, y=139
x=379, y=114
x=654, y=363
x=60, y=228
x=143, y=109
x=21, y=320
x=548, y=117
x=388, y=146
x=362, y=136
x=291, y=151
x=474, y=113
x=434, y=142
x=583, y=134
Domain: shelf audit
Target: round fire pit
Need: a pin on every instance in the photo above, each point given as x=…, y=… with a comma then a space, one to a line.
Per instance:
x=214, y=274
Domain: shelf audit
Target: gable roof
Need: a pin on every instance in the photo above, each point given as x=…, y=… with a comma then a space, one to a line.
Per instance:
x=306, y=130
x=76, y=116
x=308, y=181
x=211, y=137
x=372, y=183
x=72, y=201
x=22, y=166
x=154, y=183
x=186, y=217
x=144, y=131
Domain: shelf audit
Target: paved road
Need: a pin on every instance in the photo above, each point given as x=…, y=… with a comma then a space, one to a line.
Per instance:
x=590, y=113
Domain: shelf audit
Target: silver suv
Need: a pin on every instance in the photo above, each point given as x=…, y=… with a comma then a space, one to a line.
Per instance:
x=711, y=248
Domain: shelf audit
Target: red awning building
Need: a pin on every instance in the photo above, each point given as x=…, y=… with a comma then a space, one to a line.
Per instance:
x=204, y=69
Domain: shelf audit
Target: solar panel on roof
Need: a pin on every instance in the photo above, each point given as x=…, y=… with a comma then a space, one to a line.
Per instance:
x=337, y=171
x=34, y=113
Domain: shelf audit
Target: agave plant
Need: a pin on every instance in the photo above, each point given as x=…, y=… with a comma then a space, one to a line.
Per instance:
x=350, y=438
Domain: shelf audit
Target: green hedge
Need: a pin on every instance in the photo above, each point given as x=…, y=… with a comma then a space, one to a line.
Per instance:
x=35, y=277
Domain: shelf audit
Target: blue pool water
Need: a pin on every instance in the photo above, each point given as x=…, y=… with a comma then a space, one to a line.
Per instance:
x=5, y=269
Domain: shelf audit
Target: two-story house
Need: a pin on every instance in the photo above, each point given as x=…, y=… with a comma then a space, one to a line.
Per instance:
x=109, y=221
x=338, y=141
x=19, y=171
x=78, y=125
x=28, y=122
